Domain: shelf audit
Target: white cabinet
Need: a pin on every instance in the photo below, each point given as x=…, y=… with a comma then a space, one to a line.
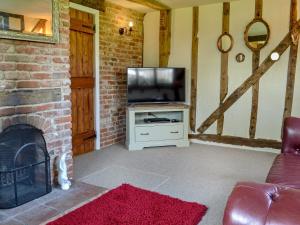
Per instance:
x=141, y=134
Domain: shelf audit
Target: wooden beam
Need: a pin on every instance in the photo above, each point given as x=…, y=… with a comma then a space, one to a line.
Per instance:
x=290, y=86
x=241, y=90
x=255, y=96
x=257, y=38
x=194, y=68
x=94, y=4
x=151, y=4
x=164, y=37
x=258, y=8
x=40, y=25
x=255, y=65
x=258, y=143
x=224, y=66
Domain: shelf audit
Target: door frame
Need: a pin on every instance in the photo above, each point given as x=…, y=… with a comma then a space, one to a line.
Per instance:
x=95, y=13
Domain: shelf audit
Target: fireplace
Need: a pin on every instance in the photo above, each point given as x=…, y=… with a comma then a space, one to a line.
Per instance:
x=24, y=165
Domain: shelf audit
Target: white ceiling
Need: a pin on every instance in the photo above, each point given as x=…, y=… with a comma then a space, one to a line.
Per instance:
x=171, y=3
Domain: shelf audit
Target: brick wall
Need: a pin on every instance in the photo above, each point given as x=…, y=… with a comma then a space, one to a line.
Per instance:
x=35, y=80
x=117, y=53
x=34, y=87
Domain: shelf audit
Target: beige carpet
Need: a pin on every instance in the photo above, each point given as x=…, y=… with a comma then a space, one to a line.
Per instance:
x=200, y=173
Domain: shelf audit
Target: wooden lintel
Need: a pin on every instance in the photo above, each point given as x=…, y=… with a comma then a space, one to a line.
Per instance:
x=241, y=141
x=248, y=83
x=164, y=37
x=94, y=4
x=224, y=66
x=194, y=68
x=290, y=86
x=151, y=4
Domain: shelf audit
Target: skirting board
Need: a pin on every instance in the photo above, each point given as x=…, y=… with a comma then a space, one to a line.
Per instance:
x=270, y=150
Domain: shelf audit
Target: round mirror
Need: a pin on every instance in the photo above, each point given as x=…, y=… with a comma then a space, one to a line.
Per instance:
x=225, y=42
x=257, y=34
x=240, y=57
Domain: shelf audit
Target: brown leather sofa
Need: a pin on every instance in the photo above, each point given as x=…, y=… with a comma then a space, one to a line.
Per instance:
x=276, y=202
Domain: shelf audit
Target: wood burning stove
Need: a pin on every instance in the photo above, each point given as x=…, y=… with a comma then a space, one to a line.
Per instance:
x=24, y=165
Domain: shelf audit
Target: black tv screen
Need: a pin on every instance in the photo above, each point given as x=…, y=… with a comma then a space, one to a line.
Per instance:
x=151, y=85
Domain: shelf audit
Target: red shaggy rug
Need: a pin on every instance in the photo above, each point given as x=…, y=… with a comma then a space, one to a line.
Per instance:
x=128, y=205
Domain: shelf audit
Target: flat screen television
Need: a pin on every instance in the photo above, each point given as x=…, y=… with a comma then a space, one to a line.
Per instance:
x=156, y=85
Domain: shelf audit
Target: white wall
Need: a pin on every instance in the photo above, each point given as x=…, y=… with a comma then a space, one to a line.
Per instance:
x=181, y=43
x=272, y=85
x=151, y=39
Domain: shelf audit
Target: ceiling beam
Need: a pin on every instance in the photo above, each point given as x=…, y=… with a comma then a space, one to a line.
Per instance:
x=153, y=4
x=94, y=4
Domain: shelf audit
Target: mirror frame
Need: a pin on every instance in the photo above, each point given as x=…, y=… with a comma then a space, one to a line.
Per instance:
x=219, y=42
x=38, y=38
x=247, y=30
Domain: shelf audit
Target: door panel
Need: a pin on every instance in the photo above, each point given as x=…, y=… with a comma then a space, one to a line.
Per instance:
x=82, y=81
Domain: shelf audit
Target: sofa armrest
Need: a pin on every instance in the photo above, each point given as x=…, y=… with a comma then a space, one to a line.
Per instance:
x=249, y=204
x=291, y=136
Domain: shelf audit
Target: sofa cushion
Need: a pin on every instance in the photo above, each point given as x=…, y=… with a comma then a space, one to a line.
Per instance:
x=262, y=204
x=285, y=208
x=285, y=171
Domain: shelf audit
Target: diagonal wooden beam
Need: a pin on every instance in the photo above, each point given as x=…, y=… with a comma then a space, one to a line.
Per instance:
x=290, y=86
x=244, y=87
x=153, y=4
x=224, y=65
x=194, y=68
x=40, y=25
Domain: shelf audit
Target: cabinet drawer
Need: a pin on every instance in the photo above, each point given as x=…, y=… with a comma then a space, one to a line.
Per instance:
x=158, y=133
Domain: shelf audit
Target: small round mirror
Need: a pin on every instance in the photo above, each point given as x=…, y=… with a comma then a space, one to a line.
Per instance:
x=240, y=57
x=225, y=43
x=257, y=34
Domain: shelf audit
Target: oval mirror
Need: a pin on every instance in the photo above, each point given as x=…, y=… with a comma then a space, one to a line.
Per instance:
x=225, y=43
x=257, y=34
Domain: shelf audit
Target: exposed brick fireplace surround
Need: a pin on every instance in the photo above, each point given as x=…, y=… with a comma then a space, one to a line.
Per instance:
x=35, y=80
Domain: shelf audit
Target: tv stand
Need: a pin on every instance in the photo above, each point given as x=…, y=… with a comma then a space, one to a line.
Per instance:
x=151, y=125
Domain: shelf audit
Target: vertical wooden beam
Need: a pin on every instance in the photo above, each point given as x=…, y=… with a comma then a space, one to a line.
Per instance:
x=164, y=37
x=194, y=68
x=255, y=96
x=290, y=86
x=224, y=66
x=255, y=65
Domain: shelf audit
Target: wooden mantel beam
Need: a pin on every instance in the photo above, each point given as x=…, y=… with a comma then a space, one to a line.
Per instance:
x=153, y=4
x=248, y=83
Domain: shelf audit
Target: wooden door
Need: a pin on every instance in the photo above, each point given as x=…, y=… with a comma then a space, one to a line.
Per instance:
x=82, y=81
